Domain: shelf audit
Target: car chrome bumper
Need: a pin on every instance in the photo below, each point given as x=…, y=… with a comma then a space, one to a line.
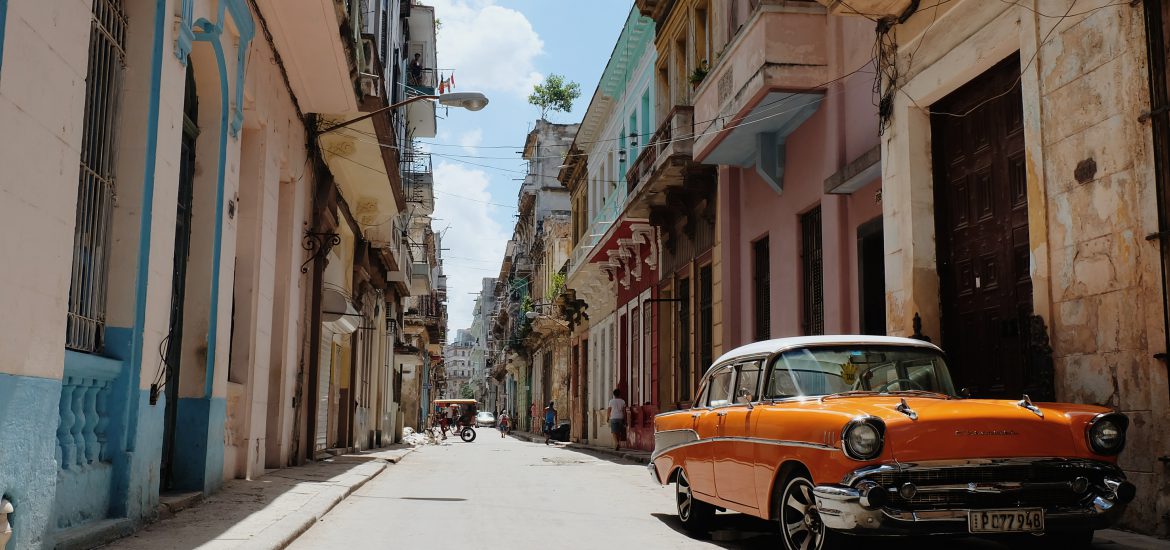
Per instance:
x=653, y=472
x=866, y=508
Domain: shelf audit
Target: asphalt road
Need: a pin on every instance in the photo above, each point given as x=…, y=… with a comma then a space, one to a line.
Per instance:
x=503, y=493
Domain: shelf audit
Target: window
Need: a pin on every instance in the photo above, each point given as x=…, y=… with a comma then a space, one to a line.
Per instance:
x=706, y=319
x=747, y=388
x=95, y=192
x=812, y=269
x=719, y=388
x=684, y=338
x=761, y=289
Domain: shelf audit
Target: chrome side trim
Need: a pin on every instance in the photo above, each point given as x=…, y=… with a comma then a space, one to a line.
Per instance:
x=758, y=440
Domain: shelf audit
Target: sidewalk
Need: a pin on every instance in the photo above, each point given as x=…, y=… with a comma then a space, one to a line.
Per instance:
x=641, y=457
x=265, y=513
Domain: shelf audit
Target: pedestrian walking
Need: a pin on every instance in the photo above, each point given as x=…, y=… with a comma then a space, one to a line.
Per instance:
x=617, y=418
x=550, y=420
x=505, y=421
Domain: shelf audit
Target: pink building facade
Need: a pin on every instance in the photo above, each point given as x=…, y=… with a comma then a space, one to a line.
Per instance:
x=787, y=114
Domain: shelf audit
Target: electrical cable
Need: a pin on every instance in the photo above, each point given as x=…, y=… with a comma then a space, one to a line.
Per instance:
x=1019, y=78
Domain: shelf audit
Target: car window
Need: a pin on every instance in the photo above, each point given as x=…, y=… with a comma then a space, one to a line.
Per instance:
x=748, y=383
x=719, y=387
x=827, y=370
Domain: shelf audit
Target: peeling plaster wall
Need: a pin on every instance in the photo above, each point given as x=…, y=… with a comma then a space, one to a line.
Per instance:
x=1091, y=196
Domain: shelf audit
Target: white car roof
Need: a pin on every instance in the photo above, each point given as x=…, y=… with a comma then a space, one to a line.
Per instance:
x=777, y=344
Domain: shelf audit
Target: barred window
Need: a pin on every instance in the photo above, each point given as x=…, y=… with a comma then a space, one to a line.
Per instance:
x=761, y=283
x=812, y=263
x=95, y=193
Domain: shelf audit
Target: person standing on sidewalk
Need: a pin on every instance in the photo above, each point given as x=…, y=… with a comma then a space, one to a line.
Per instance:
x=550, y=420
x=617, y=419
x=535, y=417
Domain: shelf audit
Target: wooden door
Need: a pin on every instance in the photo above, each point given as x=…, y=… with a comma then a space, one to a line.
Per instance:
x=981, y=209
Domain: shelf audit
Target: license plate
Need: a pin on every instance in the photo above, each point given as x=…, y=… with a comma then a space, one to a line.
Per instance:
x=1019, y=520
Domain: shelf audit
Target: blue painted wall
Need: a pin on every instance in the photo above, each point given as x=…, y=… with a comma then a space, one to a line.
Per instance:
x=28, y=444
x=199, y=444
x=3, y=16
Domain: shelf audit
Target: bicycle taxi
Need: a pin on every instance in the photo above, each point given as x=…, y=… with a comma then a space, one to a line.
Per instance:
x=464, y=423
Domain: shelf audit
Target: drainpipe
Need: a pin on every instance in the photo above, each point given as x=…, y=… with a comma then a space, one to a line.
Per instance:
x=1159, y=118
x=5, y=527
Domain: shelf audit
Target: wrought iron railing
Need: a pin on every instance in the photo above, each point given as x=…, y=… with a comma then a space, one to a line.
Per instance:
x=613, y=207
x=675, y=136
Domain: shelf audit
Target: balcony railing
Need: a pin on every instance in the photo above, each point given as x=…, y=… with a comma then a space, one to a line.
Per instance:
x=601, y=223
x=422, y=82
x=675, y=137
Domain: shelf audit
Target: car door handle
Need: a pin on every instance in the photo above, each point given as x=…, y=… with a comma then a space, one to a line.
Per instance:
x=721, y=413
x=696, y=415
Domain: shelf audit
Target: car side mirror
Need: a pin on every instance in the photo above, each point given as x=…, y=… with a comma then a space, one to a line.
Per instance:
x=965, y=393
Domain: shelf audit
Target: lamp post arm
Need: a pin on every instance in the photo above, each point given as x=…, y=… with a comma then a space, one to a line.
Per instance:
x=377, y=111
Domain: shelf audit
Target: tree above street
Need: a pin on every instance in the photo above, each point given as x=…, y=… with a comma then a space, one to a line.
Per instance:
x=554, y=94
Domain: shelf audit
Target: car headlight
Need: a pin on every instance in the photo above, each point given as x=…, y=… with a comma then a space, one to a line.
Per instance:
x=1106, y=433
x=862, y=438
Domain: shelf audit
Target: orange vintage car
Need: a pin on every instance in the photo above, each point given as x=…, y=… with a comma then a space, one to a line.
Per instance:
x=865, y=435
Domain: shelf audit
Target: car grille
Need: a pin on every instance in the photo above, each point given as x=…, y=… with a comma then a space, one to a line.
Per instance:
x=1043, y=486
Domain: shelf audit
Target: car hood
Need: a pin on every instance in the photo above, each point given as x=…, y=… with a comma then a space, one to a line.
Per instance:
x=940, y=429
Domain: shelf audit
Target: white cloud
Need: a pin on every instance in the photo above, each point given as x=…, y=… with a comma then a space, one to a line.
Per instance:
x=475, y=241
x=471, y=139
x=491, y=48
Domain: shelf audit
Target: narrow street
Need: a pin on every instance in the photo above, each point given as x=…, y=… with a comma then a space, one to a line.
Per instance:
x=505, y=493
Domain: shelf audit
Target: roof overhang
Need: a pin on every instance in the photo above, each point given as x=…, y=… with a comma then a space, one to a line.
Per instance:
x=306, y=33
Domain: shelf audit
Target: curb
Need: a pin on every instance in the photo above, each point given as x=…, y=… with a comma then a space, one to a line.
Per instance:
x=296, y=524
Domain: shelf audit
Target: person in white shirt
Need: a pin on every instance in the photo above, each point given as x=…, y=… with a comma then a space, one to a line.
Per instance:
x=617, y=419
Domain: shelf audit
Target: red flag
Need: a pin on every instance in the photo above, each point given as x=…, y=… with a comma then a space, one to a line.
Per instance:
x=452, y=80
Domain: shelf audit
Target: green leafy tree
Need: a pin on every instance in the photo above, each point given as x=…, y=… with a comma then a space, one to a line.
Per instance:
x=554, y=94
x=468, y=391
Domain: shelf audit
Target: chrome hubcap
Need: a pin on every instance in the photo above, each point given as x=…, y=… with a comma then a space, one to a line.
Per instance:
x=802, y=525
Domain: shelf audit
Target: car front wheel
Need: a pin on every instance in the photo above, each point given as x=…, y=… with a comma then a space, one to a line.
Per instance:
x=800, y=521
x=694, y=514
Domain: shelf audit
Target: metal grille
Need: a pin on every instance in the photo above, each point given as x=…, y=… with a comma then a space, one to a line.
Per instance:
x=813, y=269
x=1047, y=486
x=95, y=193
x=762, y=289
x=706, y=318
x=685, y=388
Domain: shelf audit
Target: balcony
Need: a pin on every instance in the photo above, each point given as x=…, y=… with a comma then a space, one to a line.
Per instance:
x=421, y=41
x=743, y=101
x=601, y=223
x=418, y=181
x=667, y=154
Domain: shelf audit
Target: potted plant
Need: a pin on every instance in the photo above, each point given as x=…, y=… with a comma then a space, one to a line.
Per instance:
x=698, y=74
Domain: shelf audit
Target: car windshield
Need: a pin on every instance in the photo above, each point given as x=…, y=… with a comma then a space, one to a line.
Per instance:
x=829, y=370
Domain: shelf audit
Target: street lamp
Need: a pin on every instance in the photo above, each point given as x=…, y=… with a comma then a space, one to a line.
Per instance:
x=472, y=101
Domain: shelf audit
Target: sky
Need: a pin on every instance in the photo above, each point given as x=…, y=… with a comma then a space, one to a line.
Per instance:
x=502, y=48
